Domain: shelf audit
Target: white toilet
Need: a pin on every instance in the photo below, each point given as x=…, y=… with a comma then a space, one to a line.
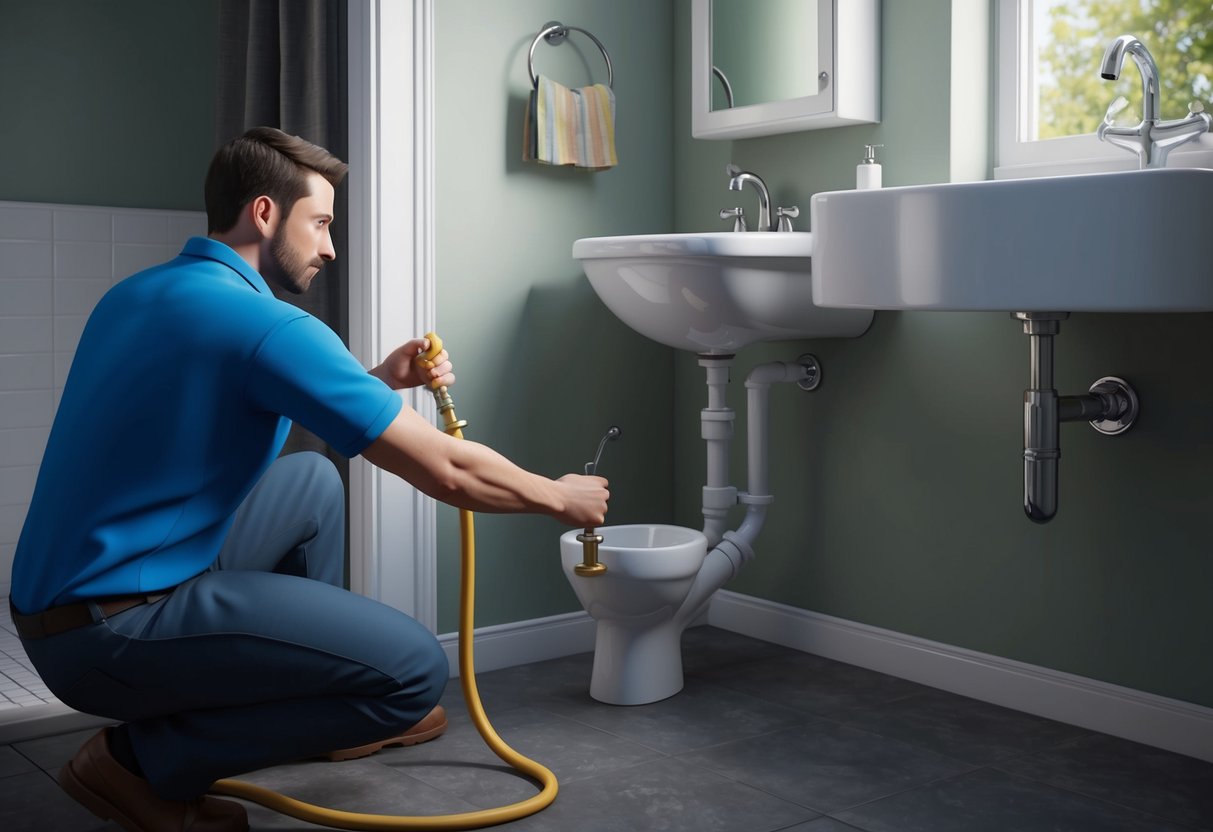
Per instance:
x=641, y=606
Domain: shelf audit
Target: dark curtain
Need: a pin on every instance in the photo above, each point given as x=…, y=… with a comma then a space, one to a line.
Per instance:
x=282, y=63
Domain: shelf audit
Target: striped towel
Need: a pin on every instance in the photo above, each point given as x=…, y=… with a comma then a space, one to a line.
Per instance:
x=570, y=127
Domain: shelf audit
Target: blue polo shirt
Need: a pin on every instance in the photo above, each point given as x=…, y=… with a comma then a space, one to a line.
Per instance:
x=183, y=388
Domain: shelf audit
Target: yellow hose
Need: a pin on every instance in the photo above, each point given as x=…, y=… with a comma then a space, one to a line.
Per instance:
x=339, y=819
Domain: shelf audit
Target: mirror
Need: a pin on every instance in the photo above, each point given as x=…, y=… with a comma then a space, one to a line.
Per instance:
x=760, y=67
x=763, y=51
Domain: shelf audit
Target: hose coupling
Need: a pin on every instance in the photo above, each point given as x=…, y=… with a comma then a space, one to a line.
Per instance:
x=589, y=566
x=446, y=409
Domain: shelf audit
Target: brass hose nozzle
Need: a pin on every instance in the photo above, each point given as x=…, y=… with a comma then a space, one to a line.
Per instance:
x=446, y=407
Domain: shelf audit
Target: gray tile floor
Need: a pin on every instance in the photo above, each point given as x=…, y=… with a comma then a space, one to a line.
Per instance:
x=761, y=739
x=19, y=682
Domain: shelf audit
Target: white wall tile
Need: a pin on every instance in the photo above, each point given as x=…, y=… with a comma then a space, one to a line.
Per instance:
x=17, y=484
x=25, y=297
x=84, y=224
x=31, y=371
x=186, y=225
x=55, y=264
x=26, y=408
x=23, y=446
x=63, y=365
x=68, y=329
x=83, y=260
x=24, y=335
x=78, y=297
x=129, y=259
x=142, y=227
x=24, y=259
x=6, y=567
x=11, y=519
x=24, y=222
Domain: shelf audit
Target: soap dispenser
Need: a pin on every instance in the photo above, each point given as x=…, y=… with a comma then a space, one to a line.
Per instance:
x=867, y=172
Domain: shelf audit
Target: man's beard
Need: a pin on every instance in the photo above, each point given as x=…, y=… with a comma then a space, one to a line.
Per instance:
x=288, y=269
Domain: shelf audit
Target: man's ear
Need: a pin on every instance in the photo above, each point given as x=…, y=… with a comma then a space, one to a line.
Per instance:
x=264, y=214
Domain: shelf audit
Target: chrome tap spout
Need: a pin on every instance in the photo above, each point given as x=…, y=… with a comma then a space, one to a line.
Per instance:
x=1152, y=139
x=739, y=180
x=1113, y=61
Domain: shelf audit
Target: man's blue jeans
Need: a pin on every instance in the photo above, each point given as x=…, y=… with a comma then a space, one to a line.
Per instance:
x=262, y=660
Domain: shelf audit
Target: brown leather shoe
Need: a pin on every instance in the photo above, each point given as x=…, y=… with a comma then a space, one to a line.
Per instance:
x=99, y=783
x=431, y=727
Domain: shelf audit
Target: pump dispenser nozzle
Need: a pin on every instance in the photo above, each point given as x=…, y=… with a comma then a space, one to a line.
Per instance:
x=867, y=172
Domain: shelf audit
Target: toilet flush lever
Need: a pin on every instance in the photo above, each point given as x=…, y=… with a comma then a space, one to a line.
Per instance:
x=589, y=566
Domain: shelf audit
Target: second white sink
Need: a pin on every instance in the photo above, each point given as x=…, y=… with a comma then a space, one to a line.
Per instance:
x=713, y=292
x=1134, y=241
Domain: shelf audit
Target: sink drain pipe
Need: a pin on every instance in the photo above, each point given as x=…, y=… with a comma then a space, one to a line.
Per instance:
x=1110, y=406
x=731, y=550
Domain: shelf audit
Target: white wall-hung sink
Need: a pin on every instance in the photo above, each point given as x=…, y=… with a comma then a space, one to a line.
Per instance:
x=714, y=292
x=1132, y=241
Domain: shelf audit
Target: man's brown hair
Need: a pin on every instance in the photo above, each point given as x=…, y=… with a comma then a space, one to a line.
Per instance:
x=264, y=161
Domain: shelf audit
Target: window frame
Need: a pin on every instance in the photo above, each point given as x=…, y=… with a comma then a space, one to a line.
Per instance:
x=1015, y=158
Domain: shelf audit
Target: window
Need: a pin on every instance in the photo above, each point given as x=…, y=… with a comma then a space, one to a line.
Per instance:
x=1050, y=97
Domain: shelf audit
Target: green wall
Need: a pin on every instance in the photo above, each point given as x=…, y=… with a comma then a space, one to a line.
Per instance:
x=898, y=483
x=107, y=103
x=543, y=368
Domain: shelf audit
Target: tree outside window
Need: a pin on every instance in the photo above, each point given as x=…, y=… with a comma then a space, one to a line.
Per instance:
x=1072, y=36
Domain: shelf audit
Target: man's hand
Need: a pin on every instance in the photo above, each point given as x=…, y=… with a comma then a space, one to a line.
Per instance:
x=585, y=500
x=401, y=369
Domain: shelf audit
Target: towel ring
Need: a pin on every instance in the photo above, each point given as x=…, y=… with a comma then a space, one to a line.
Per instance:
x=554, y=32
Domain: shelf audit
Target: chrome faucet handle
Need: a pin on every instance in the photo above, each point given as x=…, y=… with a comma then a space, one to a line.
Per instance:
x=734, y=214
x=1196, y=108
x=785, y=217
x=1114, y=109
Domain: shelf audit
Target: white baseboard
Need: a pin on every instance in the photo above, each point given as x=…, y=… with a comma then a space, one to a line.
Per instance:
x=523, y=642
x=1099, y=706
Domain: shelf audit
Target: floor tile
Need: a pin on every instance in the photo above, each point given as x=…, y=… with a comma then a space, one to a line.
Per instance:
x=49, y=753
x=763, y=739
x=823, y=824
x=361, y=786
x=705, y=649
x=34, y=802
x=459, y=762
x=813, y=684
x=668, y=795
x=992, y=801
x=960, y=727
x=12, y=762
x=1170, y=785
x=826, y=766
x=701, y=715
x=566, y=678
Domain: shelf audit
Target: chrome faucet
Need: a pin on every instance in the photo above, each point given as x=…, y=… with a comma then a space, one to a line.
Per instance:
x=1152, y=139
x=739, y=179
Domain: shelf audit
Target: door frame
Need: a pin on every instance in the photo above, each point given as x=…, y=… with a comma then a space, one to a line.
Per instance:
x=393, y=534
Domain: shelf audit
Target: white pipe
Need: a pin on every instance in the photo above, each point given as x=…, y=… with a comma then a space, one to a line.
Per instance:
x=733, y=550
x=716, y=428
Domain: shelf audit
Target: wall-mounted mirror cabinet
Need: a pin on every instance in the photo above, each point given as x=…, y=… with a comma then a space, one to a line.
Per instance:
x=779, y=66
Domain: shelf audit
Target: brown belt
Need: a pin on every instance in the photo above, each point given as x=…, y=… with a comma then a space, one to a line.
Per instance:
x=70, y=616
